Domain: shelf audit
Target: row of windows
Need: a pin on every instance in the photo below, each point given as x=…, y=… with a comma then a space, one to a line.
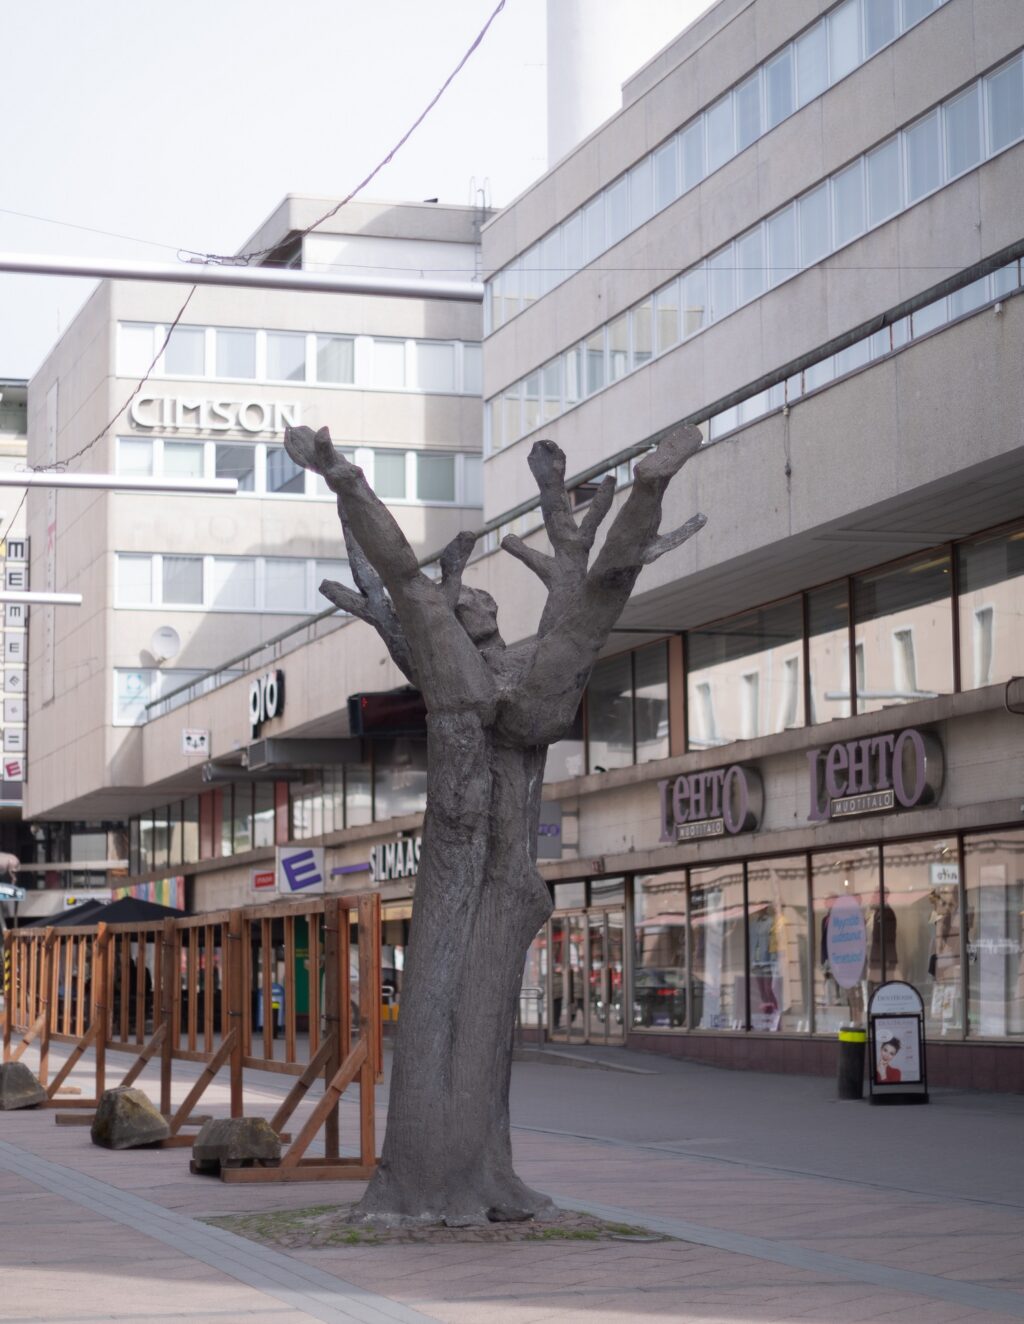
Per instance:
x=382, y=363
x=391, y=783
x=224, y=583
x=948, y=619
x=265, y=469
x=975, y=125
x=745, y=945
x=822, y=55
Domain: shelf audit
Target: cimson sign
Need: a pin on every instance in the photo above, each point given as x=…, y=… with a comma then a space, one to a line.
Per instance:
x=169, y=413
x=869, y=776
x=266, y=699
x=711, y=804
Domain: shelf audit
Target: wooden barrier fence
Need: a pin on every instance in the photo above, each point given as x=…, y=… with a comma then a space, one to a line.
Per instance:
x=217, y=990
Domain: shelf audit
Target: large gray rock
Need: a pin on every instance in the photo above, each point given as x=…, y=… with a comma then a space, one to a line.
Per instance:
x=19, y=1088
x=235, y=1142
x=126, y=1119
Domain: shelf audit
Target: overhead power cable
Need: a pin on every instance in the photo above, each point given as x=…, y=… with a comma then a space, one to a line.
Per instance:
x=244, y=259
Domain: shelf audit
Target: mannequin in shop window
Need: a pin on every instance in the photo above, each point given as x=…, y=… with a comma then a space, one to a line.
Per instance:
x=881, y=926
x=944, y=957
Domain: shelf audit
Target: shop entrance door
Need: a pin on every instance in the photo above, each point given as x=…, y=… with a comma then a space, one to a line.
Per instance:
x=588, y=977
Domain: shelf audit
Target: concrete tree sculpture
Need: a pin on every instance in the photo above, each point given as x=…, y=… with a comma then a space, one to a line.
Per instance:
x=492, y=711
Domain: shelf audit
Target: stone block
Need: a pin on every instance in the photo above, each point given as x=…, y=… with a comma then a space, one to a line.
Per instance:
x=235, y=1142
x=126, y=1119
x=19, y=1088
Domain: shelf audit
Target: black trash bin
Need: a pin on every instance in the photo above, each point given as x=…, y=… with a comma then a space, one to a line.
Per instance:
x=852, y=1047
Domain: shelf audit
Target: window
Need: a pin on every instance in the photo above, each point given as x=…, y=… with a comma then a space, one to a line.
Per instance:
x=472, y=486
x=335, y=359
x=994, y=922
x=610, y=714
x=750, y=265
x=924, y=157
x=286, y=356
x=791, y=697
x=881, y=23
x=134, y=348
x=815, y=241
x=551, y=384
x=659, y=954
x=884, y=187
x=389, y=475
x=593, y=228
x=435, y=366
x=595, y=361
x=643, y=332
x=722, y=284
x=641, y=193
x=666, y=317
x=435, y=477
x=131, y=694
x=844, y=40
x=721, y=135
x=183, y=580
x=529, y=276
x=263, y=815
x=618, y=348
x=531, y=402
x=388, y=364
x=748, y=112
x=911, y=597
x=650, y=703
x=284, y=583
x=691, y=151
x=847, y=878
x=811, y=64
x=1005, y=92
x=695, y=301
x=922, y=922
x=962, y=118
x=135, y=580
x=134, y=457
x=782, y=260
x=472, y=370
x=185, y=355
x=915, y=10
x=283, y=474
x=718, y=987
x=238, y=462
x=233, y=582
x=741, y=660
x=236, y=354
x=779, y=87
x=991, y=582
x=184, y=459
x=617, y=211
x=777, y=940
x=666, y=182
x=399, y=777
x=848, y=204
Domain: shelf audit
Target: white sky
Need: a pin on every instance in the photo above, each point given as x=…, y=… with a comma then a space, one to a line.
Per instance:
x=185, y=123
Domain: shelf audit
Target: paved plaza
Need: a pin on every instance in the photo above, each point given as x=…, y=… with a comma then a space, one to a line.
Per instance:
x=782, y=1204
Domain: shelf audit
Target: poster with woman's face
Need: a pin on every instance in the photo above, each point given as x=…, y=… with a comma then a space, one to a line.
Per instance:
x=897, y=1054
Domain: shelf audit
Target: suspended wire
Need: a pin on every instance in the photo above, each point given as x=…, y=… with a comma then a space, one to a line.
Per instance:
x=89, y=229
x=244, y=259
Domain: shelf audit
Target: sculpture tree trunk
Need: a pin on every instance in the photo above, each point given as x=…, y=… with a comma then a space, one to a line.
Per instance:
x=492, y=711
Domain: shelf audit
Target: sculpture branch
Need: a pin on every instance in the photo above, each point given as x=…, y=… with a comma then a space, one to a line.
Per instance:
x=386, y=624
x=542, y=565
x=666, y=542
x=454, y=559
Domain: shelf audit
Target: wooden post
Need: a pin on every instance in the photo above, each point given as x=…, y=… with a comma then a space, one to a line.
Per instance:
x=234, y=972
x=332, y=1017
x=47, y=1008
x=369, y=1021
x=168, y=992
x=8, y=981
x=101, y=1003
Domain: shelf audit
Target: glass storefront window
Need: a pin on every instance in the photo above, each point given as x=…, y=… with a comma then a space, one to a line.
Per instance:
x=567, y=757
x=358, y=795
x=922, y=896
x=650, y=703
x=263, y=814
x=190, y=829
x=225, y=820
x=659, y=950
x=400, y=777
x=994, y=922
x=242, y=819
x=745, y=676
x=828, y=629
x=778, y=944
x=307, y=809
x=718, y=985
x=842, y=989
x=904, y=628
x=991, y=606
x=610, y=713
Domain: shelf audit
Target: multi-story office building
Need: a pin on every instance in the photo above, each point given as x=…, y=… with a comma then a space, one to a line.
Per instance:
x=804, y=725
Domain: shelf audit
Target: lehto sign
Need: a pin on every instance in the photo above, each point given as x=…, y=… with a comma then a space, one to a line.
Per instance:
x=711, y=804
x=869, y=776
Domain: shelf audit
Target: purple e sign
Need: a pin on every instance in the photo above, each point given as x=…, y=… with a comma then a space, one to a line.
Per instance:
x=301, y=870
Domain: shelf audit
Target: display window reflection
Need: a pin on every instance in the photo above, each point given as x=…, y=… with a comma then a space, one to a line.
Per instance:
x=659, y=950
x=610, y=713
x=990, y=574
x=745, y=676
x=922, y=941
x=778, y=944
x=718, y=986
x=828, y=652
x=904, y=631
x=994, y=930
x=850, y=930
